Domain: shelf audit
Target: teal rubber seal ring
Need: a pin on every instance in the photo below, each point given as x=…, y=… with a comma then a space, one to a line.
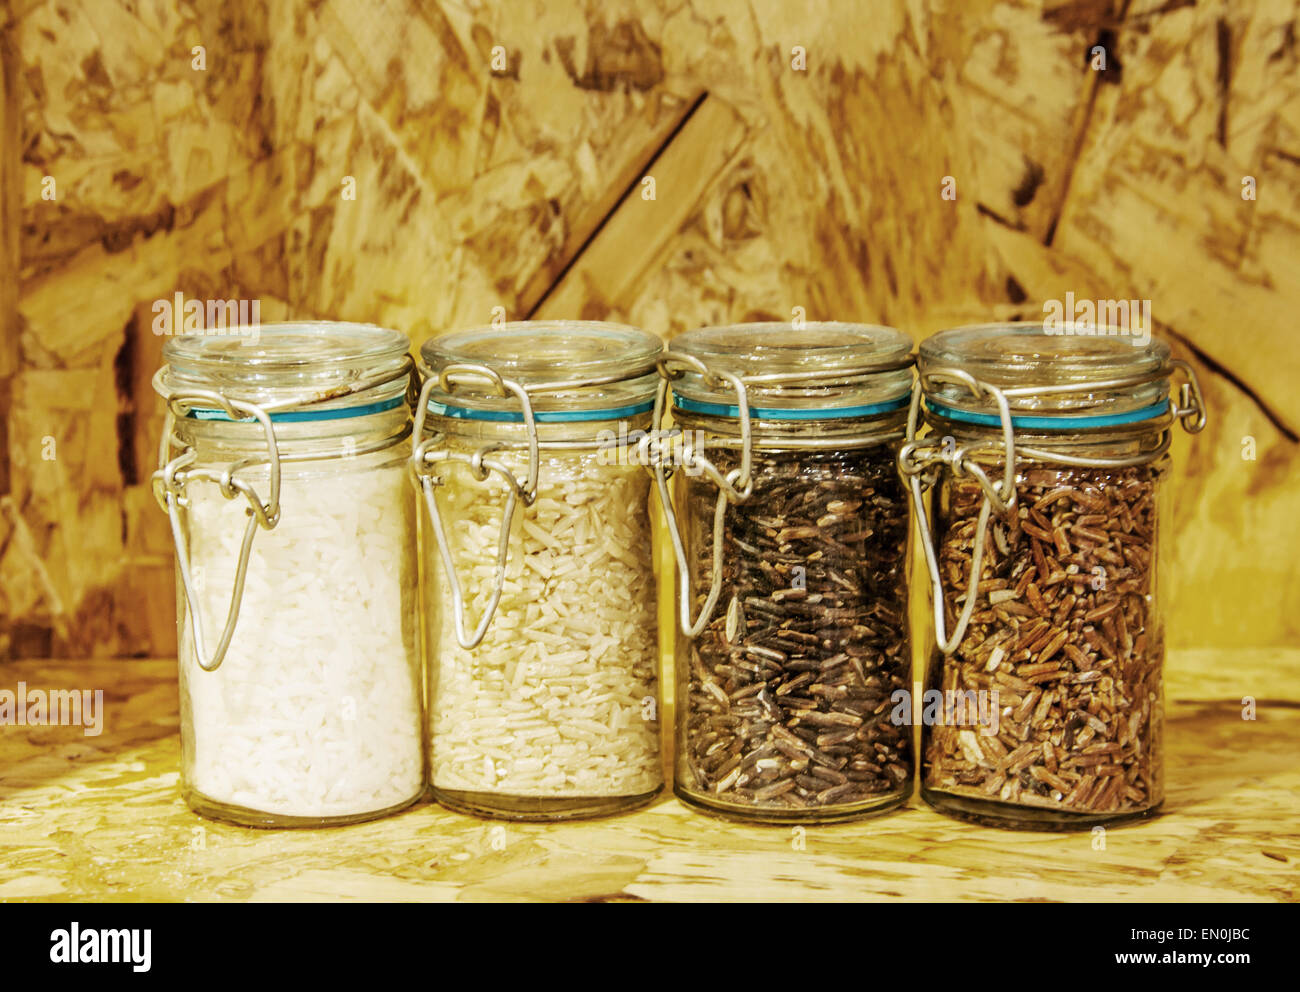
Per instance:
x=1057, y=422
x=301, y=416
x=540, y=416
x=779, y=413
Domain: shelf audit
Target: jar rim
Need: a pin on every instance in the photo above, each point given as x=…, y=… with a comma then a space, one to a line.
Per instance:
x=537, y=352
x=1017, y=351
x=771, y=347
x=816, y=371
x=1074, y=376
x=573, y=370
x=283, y=347
x=324, y=365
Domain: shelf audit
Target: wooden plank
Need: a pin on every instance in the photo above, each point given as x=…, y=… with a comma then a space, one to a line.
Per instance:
x=614, y=187
x=1226, y=835
x=481, y=185
x=10, y=212
x=600, y=280
x=69, y=503
x=495, y=177
x=834, y=210
x=1025, y=94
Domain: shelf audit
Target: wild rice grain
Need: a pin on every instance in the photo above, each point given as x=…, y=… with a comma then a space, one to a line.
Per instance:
x=799, y=668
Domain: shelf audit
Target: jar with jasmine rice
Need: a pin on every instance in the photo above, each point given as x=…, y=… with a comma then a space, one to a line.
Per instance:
x=540, y=597
x=283, y=473
x=1046, y=463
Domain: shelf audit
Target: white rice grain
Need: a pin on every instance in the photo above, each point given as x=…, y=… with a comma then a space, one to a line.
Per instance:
x=572, y=650
x=315, y=711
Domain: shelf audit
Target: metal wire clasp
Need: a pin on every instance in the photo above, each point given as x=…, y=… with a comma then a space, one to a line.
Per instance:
x=423, y=464
x=1190, y=410
x=734, y=487
x=918, y=460
x=169, y=483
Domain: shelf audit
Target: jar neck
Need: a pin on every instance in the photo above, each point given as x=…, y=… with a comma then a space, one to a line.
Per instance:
x=332, y=437
x=571, y=433
x=1119, y=441
x=843, y=432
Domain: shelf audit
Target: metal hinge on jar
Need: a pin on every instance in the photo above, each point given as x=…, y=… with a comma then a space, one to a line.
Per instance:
x=920, y=460
x=176, y=469
x=425, y=459
x=735, y=486
x=169, y=485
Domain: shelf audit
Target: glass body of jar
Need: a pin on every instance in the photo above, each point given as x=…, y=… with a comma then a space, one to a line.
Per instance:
x=1047, y=456
x=787, y=701
x=554, y=714
x=793, y=660
x=313, y=715
x=1049, y=713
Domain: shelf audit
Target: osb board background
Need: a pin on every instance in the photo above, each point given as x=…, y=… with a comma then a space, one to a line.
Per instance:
x=520, y=185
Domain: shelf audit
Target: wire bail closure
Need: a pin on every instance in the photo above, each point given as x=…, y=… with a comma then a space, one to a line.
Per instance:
x=1191, y=405
x=919, y=469
x=174, y=473
x=737, y=485
x=423, y=468
x=734, y=487
x=169, y=484
x=921, y=461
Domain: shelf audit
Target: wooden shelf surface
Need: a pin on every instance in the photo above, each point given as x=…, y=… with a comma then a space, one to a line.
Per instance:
x=100, y=818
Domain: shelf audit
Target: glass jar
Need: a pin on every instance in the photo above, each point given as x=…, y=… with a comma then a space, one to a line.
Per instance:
x=793, y=559
x=540, y=605
x=283, y=472
x=1047, y=453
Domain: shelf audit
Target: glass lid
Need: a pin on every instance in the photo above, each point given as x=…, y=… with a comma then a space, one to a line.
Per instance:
x=1118, y=377
x=319, y=362
x=572, y=369
x=820, y=370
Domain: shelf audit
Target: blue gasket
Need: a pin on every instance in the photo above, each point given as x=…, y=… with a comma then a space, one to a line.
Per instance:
x=1055, y=422
x=300, y=416
x=780, y=413
x=541, y=416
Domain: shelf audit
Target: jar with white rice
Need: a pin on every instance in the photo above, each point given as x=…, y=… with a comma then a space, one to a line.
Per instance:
x=284, y=475
x=540, y=593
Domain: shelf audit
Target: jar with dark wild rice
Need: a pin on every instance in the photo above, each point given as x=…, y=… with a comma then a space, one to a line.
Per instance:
x=792, y=554
x=1047, y=453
